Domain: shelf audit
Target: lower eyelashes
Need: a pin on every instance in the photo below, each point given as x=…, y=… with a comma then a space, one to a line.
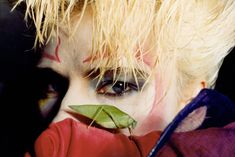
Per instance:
x=118, y=88
x=116, y=82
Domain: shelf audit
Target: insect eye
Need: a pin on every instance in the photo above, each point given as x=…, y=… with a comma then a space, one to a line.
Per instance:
x=117, y=88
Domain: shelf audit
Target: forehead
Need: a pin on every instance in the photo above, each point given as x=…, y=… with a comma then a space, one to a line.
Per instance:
x=64, y=53
x=88, y=48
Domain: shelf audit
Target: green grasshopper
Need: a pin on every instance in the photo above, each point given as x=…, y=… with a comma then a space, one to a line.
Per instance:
x=107, y=116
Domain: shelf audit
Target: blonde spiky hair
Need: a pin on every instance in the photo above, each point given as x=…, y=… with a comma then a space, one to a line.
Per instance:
x=196, y=35
x=119, y=26
x=189, y=37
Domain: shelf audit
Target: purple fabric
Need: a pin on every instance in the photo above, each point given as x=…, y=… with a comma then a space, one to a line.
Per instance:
x=74, y=139
x=220, y=111
x=70, y=137
x=212, y=142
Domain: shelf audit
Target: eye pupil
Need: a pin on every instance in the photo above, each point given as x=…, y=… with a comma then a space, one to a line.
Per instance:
x=119, y=87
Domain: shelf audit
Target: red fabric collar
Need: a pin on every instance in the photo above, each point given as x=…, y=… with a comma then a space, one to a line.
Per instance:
x=69, y=138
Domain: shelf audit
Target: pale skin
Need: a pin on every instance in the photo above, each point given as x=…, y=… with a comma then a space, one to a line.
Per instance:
x=71, y=59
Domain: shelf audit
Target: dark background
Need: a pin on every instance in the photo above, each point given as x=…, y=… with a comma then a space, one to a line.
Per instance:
x=20, y=121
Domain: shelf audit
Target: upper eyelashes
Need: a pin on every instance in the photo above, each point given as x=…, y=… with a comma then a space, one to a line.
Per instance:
x=115, y=88
x=119, y=86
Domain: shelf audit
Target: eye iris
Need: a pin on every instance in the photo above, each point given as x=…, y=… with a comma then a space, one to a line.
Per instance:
x=119, y=87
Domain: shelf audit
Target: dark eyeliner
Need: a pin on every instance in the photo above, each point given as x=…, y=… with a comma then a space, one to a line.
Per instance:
x=110, y=86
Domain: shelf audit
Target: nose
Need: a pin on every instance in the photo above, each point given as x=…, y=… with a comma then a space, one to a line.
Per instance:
x=79, y=92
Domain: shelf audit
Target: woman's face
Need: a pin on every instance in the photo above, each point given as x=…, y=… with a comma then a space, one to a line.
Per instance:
x=71, y=59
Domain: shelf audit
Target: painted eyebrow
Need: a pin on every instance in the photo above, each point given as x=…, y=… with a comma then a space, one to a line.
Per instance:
x=55, y=55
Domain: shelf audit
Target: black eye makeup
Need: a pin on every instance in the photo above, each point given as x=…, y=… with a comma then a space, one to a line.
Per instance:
x=53, y=87
x=113, y=87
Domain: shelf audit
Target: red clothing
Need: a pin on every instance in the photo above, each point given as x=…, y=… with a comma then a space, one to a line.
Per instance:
x=214, y=138
x=69, y=138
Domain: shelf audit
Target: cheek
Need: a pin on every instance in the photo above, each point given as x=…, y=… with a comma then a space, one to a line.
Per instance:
x=159, y=111
x=158, y=97
x=154, y=118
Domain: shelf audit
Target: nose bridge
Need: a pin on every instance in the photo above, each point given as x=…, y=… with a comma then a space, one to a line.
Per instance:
x=78, y=93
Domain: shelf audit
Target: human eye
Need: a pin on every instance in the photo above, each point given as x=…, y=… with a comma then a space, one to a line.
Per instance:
x=53, y=87
x=116, y=88
x=122, y=84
